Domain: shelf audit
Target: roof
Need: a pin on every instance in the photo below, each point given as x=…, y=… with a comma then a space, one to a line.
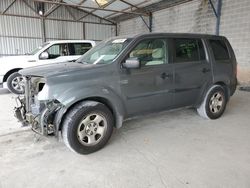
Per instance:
x=118, y=5
x=191, y=35
x=109, y=10
x=105, y=12
x=200, y=35
x=71, y=41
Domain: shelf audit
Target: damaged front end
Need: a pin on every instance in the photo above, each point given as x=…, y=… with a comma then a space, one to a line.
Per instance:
x=34, y=111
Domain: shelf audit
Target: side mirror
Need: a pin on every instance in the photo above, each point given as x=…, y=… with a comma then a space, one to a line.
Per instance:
x=132, y=63
x=44, y=55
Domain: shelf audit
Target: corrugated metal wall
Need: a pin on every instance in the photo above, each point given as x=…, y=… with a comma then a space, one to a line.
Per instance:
x=132, y=27
x=99, y=32
x=19, y=35
x=56, y=30
x=77, y=30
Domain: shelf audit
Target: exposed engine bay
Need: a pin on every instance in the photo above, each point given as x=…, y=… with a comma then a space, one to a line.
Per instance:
x=32, y=110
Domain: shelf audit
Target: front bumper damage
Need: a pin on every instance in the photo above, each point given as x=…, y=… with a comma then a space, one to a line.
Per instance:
x=39, y=114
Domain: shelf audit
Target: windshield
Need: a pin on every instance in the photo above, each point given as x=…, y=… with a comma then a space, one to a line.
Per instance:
x=37, y=49
x=105, y=52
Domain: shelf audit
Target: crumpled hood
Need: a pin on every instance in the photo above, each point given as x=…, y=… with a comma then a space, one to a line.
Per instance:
x=55, y=69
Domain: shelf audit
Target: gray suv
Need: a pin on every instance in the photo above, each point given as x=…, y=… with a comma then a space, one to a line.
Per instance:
x=125, y=77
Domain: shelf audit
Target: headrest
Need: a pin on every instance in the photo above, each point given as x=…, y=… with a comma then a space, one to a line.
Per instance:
x=157, y=53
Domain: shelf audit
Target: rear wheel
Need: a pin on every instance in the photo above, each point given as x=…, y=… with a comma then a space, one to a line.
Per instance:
x=15, y=83
x=214, y=103
x=87, y=127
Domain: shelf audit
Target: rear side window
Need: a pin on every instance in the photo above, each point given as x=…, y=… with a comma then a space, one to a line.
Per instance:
x=220, y=50
x=79, y=48
x=188, y=50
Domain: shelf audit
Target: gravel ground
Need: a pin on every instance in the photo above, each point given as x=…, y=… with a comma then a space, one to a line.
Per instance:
x=168, y=149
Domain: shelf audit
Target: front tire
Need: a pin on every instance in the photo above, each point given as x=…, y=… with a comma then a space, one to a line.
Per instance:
x=14, y=83
x=214, y=103
x=87, y=127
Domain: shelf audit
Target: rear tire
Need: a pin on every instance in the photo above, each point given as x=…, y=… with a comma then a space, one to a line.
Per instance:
x=214, y=103
x=87, y=127
x=14, y=83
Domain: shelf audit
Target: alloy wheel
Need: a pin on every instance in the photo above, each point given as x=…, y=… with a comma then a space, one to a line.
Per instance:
x=91, y=129
x=17, y=84
x=216, y=102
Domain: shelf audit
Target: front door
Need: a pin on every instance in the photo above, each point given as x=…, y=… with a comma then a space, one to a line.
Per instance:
x=57, y=53
x=192, y=70
x=149, y=88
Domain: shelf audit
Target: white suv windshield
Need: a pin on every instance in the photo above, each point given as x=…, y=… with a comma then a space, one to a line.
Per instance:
x=37, y=49
x=105, y=52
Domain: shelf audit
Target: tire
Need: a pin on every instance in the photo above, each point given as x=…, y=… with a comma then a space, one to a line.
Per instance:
x=214, y=103
x=14, y=84
x=87, y=127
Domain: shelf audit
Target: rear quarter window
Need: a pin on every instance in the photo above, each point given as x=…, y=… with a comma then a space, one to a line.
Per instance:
x=219, y=49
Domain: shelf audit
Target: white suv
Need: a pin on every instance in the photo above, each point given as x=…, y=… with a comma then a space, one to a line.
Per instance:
x=49, y=52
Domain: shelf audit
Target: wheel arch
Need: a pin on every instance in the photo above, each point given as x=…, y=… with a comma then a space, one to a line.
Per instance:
x=118, y=117
x=9, y=73
x=206, y=89
x=225, y=87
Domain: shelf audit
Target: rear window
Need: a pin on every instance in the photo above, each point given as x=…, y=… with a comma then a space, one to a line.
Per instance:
x=188, y=50
x=220, y=50
x=79, y=48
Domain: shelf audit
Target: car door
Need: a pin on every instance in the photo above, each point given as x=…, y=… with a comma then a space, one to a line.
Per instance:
x=148, y=88
x=56, y=53
x=222, y=66
x=192, y=70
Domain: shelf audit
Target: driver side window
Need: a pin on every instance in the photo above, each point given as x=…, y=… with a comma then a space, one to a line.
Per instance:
x=57, y=50
x=151, y=52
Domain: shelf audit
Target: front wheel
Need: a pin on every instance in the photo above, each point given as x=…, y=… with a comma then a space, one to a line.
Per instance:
x=214, y=103
x=87, y=127
x=15, y=83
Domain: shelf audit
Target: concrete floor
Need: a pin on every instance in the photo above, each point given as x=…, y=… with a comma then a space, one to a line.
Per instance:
x=170, y=149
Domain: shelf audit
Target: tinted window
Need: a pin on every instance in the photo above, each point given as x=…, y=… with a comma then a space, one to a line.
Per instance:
x=57, y=50
x=79, y=48
x=188, y=50
x=151, y=52
x=219, y=50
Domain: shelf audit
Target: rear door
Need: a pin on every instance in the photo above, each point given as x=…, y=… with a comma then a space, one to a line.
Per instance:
x=192, y=70
x=223, y=66
x=149, y=88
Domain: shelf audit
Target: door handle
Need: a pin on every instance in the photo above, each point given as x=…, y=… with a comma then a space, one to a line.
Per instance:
x=205, y=70
x=165, y=75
